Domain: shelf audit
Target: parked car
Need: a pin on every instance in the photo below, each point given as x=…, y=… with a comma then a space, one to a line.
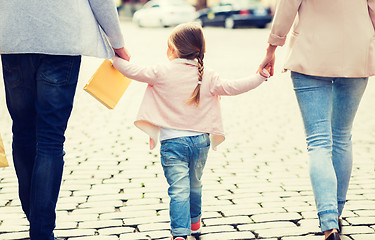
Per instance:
x=164, y=13
x=231, y=14
x=118, y=5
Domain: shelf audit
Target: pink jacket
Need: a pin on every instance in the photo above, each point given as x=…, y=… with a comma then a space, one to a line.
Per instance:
x=169, y=88
x=330, y=38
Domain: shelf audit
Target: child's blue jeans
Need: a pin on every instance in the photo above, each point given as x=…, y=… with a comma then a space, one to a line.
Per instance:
x=183, y=160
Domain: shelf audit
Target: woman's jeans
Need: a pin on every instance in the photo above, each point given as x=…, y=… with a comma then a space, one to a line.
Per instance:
x=328, y=106
x=39, y=95
x=183, y=160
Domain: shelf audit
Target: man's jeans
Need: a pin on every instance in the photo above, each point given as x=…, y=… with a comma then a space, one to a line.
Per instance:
x=328, y=107
x=183, y=160
x=39, y=95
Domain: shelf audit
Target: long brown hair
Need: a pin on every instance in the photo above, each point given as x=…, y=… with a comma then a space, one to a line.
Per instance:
x=189, y=43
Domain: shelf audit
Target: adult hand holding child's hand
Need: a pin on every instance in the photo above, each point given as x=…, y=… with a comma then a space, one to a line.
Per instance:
x=122, y=53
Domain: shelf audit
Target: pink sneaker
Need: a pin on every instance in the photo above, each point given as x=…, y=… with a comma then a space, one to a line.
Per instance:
x=196, y=228
x=178, y=238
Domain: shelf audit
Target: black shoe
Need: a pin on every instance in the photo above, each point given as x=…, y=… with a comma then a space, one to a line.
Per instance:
x=197, y=236
x=340, y=225
x=334, y=236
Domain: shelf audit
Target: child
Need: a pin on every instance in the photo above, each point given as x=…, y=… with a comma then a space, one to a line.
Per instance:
x=181, y=103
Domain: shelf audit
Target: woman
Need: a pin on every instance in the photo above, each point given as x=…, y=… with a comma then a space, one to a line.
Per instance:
x=331, y=56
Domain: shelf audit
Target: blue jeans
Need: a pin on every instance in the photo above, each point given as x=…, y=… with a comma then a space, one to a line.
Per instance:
x=39, y=95
x=183, y=160
x=328, y=106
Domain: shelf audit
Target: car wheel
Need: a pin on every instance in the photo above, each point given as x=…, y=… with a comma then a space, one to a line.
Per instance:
x=162, y=24
x=262, y=26
x=229, y=23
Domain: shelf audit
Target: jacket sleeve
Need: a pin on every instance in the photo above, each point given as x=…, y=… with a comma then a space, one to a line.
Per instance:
x=371, y=10
x=236, y=86
x=106, y=15
x=133, y=71
x=283, y=20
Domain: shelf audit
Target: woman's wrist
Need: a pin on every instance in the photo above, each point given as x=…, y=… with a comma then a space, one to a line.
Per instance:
x=271, y=49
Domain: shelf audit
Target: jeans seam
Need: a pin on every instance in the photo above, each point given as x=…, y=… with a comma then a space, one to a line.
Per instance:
x=327, y=211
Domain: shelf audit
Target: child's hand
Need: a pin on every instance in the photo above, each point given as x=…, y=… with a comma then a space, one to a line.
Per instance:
x=122, y=53
x=264, y=73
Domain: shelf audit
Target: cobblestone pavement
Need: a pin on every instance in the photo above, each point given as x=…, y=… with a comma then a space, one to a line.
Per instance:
x=256, y=186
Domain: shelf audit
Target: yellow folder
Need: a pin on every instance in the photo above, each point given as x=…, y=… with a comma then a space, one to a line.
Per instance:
x=3, y=158
x=107, y=84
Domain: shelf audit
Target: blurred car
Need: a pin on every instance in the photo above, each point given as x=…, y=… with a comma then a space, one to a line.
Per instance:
x=231, y=14
x=164, y=13
x=118, y=5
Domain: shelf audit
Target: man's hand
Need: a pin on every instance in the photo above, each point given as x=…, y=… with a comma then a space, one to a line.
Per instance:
x=122, y=53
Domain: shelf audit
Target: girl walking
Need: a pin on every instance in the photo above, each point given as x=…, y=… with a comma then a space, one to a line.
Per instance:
x=181, y=103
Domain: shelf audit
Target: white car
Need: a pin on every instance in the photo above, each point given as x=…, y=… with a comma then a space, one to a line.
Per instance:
x=164, y=13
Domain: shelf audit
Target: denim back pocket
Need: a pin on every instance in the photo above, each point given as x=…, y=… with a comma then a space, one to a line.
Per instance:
x=11, y=70
x=58, y=70
x=173, y=152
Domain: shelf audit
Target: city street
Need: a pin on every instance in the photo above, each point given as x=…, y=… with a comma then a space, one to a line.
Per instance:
x=256, y=185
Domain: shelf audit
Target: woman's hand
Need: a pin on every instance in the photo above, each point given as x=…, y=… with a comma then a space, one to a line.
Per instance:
x=268, y=62
x=122, y=53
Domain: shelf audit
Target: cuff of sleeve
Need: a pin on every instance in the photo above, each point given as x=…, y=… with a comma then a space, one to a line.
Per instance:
x=261, y=78
x=117, y=45
x=276, y=40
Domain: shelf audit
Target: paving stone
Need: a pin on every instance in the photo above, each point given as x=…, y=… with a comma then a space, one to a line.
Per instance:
x=100, y=224
x=306, y=237
x=134, y=236
x=95, y=238
x=363, y=236
x=280, y=232
x=14, y=235
x=227, y=221
x=267, y=225
x=8, y=227
x=80, y=217
x=276, y=217
x=310, y=225
x=60, y=225
x=74, y=232
x=361, y=220
x=162, y=234
x=349, y=230
x=145, y=220
x=365, y=213
x=228, y=236
x=217, y=229
x=153, y=226
x=115, y=230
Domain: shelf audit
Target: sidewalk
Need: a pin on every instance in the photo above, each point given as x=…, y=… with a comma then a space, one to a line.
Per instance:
x=256, y=186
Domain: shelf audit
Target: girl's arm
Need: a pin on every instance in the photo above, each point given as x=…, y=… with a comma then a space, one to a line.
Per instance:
x=371, y=10
x=237, y=86
x=134, y=71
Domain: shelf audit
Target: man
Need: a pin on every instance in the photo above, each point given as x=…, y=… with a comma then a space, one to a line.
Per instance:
x=41, y=44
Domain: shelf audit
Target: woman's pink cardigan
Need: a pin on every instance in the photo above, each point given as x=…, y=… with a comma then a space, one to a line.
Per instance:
x=165, y=102
x=329, y=38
